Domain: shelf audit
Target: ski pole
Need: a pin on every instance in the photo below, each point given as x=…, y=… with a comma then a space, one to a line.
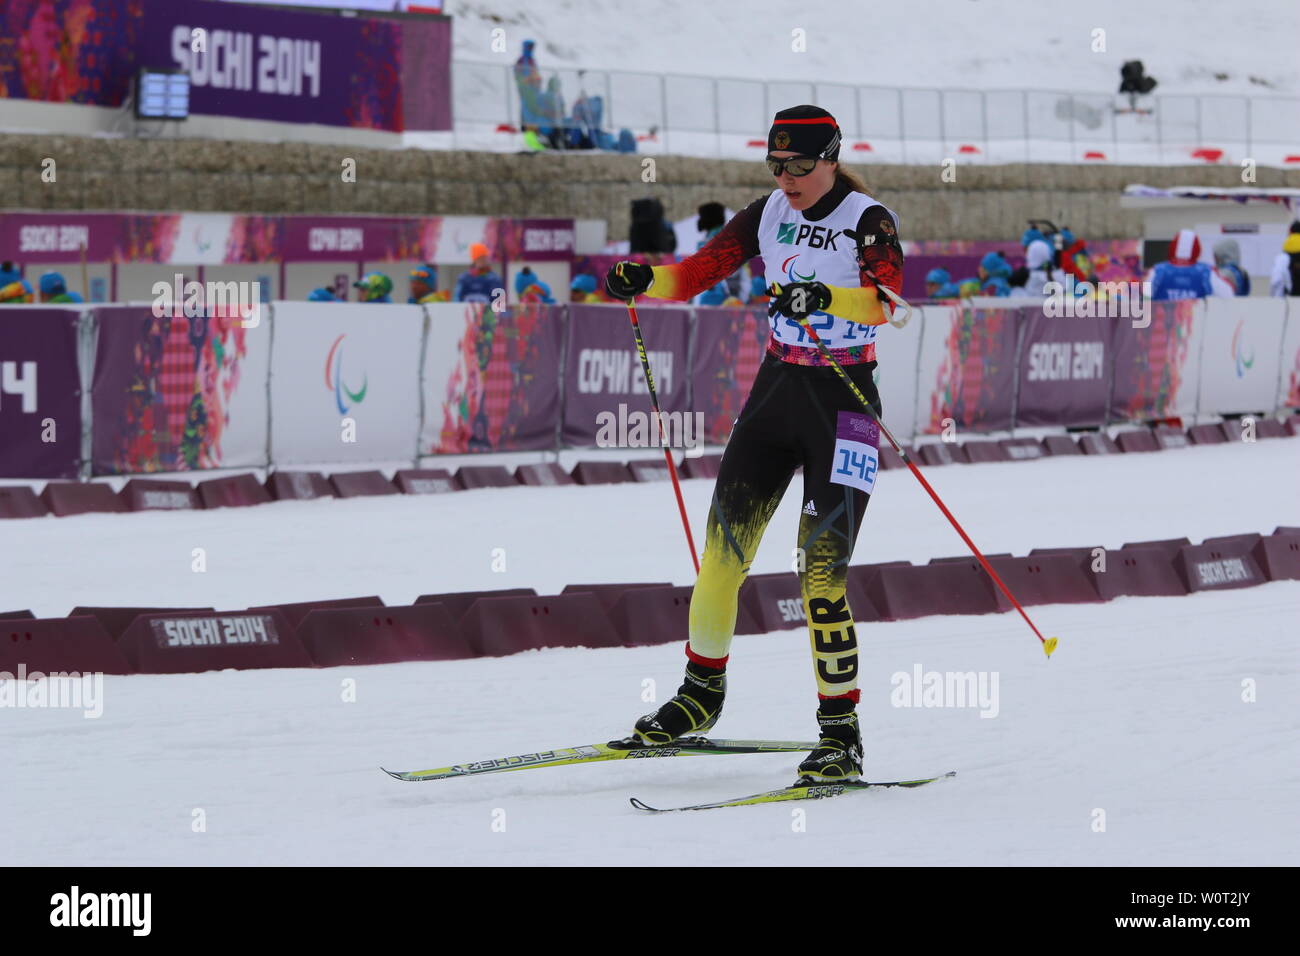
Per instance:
x=1049, y=643
x=668, y=454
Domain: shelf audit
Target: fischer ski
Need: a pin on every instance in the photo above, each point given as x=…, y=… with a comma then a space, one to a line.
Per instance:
x=596, y=753
x=818, y=791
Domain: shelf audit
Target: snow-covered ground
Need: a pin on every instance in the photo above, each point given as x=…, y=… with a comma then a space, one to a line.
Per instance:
x=1139, y=715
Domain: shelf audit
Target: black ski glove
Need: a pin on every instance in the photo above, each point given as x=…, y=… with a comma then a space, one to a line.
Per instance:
x=798, y=300
x=628, y=279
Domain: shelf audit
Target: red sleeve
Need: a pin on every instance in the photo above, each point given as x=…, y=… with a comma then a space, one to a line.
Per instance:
x=722, y=255
x=881, y=255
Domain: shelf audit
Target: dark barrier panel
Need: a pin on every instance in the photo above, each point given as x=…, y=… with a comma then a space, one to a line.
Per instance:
x=644, y=616
x=650, y=470
x=889, y=458
x=155, y=494
x=1169, y=547
x=485, y=476
x=1204, y=567
x=505, y=625
x=115, y=620
x=1278, y=555
x=1094, y=443
x=941, y=453
x=959, y=558
x=19, y=501
x=981, y=451
x=1046, y=579
x=60, y=644
x=235, y=491
x=359, y=484
x=65, y=498
x=16, y=616
x=425, y=632
x=1285, y=529
x=774, y=601
x=1137, y=441
x=604, y=384
x=601, y=472
x=1022, y=449
x=1269, y=428
x=458, y=602
x=165, y=644
x=296, y=613
x=1138, y=571
x=40, y=416
x=729, y=347
x=1083, y=557
x=608, y=594
x=1233, y=544
x=948, y=588
x=1065, y=370
x=1208, y=434
x=301, y=485
x=544, y=473
x=706, y=466
x=1169, y=437
x=425, y=481
x=1061, y=445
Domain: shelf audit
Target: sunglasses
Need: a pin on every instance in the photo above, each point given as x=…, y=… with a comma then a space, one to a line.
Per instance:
x=794, y=165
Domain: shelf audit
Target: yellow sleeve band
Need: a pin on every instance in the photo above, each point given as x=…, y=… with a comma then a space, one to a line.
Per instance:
x=861, y=305
x=666, y=284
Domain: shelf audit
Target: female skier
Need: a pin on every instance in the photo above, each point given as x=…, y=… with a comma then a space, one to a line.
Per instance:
x=826, y=246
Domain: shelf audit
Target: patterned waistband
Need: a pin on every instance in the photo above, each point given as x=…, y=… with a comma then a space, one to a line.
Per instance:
x=802, y=355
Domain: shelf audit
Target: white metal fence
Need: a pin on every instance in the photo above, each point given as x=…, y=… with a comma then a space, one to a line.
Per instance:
x=718, y=116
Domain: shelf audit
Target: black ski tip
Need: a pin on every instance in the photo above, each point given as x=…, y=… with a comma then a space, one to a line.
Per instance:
x=642, y=806
x=396, y=775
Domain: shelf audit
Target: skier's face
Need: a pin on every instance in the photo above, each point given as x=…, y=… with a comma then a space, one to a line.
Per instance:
x=802, y=191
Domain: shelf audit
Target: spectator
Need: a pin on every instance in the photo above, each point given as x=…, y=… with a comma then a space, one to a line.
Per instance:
x=993, y=272
x=1016, y=281
x=375, y=287
x=1075, y=261
x=758, y=291
x=939, y=284
x=583, y=288
x=1227, y=262
x=529, y=288
x=1183, y=276
x=323, y=294
x=1285, y=277
x=1040, y=258
x=528, y=79
x=16, y=293
x=532, y=141
x=424, y=286
x=9, y=273
x=479, y=283
x=54, y=289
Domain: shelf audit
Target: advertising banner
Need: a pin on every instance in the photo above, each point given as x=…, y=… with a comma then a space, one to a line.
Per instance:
x=345, y=382
x=1065, y=369
x=605, y=396
x=40, y=393
x=173, y=393
x=729, y=347
x=967, y=368
x=1241, y=357
x=491, y=379
x=1157, y=368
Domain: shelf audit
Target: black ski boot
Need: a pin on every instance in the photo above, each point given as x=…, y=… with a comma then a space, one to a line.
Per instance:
x=838, y=756
x=694, y=710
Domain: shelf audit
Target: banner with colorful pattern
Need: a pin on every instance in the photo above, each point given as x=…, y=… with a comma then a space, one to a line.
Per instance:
x=173, y=393
x=1157, y=368
x=967, y=368
x=491, y=379
x=729, y=348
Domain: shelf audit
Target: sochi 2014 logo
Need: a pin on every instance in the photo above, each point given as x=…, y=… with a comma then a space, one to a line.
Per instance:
x=334, y=379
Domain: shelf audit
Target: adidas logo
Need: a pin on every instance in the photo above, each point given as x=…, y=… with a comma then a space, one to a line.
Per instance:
x=808, y=509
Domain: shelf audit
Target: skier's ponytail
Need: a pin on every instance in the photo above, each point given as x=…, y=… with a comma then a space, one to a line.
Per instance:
x=849, y=179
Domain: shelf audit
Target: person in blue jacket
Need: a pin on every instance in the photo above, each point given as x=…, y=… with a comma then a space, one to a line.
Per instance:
x=939, y=285
x=993, y=272
x=479, y=283
x=375, y=287
x=527, y=280
x=323, y=294
x=54, y=289
x=1227, y=262
x=1184, y=276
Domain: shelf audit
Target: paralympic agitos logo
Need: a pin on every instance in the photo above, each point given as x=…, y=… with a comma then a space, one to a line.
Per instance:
x=334, y=378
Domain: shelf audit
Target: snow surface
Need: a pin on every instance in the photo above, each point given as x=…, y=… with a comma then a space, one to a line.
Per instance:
x=1138, y=714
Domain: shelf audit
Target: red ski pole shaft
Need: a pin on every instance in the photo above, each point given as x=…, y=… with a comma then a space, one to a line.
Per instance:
x=668, y=455
x=1048, y=643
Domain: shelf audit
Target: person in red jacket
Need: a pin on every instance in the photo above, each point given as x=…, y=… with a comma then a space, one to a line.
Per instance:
x=827, y=247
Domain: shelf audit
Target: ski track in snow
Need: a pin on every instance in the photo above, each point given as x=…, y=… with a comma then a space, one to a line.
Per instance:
x=1139, y=713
